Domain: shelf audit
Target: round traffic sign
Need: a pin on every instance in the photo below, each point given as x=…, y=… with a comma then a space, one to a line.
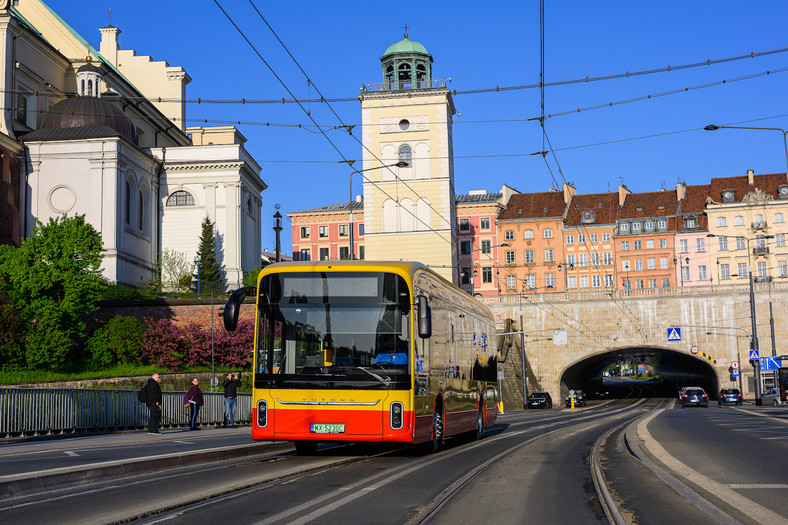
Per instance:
x=735, y=365
x=694, y=349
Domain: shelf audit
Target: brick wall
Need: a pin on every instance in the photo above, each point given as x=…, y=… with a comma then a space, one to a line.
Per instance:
x=181, y=312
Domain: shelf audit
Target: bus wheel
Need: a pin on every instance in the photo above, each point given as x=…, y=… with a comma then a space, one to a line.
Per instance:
x=480, y=424
x=305, y=448
x=437, y=430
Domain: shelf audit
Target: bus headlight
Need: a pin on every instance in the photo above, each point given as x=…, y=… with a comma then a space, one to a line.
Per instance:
x=262, y=413
x=396, y=415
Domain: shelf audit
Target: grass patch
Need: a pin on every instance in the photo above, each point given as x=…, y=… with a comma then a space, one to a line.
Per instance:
x=10, y=377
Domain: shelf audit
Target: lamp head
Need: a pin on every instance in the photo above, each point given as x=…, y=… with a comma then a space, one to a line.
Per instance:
x=402, y=164
x=712, y=127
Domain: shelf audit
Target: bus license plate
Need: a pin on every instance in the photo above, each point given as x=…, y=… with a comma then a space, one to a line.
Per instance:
x=327, y=428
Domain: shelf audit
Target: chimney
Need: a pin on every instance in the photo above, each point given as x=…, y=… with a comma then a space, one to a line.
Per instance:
x=359, y=198
x=622, y=194
x=750, y=177
x=109, y=44
x=569, y=192
x=681, y=191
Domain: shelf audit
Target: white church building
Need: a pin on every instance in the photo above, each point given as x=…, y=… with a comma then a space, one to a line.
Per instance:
x=104, y=136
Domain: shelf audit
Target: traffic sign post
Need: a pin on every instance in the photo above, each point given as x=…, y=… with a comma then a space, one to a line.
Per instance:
x=694, y=349
x=674, y=334
x=735, y=365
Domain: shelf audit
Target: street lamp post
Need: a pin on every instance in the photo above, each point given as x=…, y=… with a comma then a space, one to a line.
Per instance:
x=277, y=231
x=738, y=357
x=712, y=127
x=755, y=362
x=197, y=262
x=400, y=164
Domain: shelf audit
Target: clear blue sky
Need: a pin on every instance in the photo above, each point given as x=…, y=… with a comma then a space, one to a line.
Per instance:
x=339, y=44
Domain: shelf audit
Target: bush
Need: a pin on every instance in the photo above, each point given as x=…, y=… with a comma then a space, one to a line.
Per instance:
x=119, y=292
x=118, y=341
x=251, y=277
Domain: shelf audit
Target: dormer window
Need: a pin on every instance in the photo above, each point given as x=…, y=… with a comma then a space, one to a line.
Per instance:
x=728, y=196
x=624, y=227
x=588, y=216
x=690, y=222
x=782, y=192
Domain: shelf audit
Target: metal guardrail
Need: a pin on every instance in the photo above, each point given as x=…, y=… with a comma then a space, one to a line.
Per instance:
x=31, y=411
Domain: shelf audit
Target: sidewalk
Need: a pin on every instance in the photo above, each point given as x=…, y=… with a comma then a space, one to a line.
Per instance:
x=45, y=462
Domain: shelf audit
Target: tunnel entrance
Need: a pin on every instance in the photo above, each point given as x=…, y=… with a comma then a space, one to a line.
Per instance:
x=672, y=369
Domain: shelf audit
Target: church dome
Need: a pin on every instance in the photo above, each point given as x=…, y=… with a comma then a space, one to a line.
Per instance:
x=84, y=112
x=406, y=46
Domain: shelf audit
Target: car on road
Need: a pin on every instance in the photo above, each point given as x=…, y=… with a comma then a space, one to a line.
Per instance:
x=694, y=396
x=729, y=395
x=578, y=395
x=539, y=400
x=771, y=397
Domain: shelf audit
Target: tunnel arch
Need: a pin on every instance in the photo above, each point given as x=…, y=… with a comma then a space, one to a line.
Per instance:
x=675, y=369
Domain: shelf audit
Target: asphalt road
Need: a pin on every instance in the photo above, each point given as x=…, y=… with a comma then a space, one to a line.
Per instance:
x=714, y=465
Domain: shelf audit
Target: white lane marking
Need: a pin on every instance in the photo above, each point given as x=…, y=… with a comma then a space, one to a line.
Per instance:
x=70, y=453
x=758, y=486
x=784, y=436
x=184, y=442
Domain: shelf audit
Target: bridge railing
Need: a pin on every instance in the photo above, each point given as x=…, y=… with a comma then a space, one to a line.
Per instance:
x=29, y=411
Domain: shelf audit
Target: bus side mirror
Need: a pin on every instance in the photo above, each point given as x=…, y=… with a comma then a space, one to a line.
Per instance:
x=233, y=306
x=425, y=317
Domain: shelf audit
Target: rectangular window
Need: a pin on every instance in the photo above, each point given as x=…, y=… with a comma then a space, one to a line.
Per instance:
x=685, y=274
x=606, y=237
x=652, y=283
x=720, y=222
x=725, y=272
x=638, y=265
x=343, y=253
x=343, y=229
x=582, y=259
x=663, y=243
x=778, y=217
x=701, y=244
x=649, y=225
x=762, y=269
x=740, y=243
x=779, y=240
x=548, y=255
x=304, y=255
x=636, y=226
x=663, y=263
x=782, y=268
x=508, y=235
x=596, y=281
x=486, y=246
x=465, y=225
x=738, y=220
x=594, y=259
x=624, y=227
x=323, y=254
x=608, y=280
x=627, y=284
x=548, y=233
x=529, y=256
x=484, y=223
x=511, y=282
x=361, y=229
x=360, y=253
x=570, y=239
x=571, y=282
x=465, y=275
x=662, y=224
x=304, y=233
x=742, y=270
x=624, y=246
x=530, y=281
x=594, y=237
x=638, y=245
x=666, y=282
x=583, y=281
x=723, y=244
x=607, y=258
x=683, y=246
x=510, y=258
x=581, y=238
x=639, y=284
x=487, y=274
x=651, y=263
x=650, y=244
x=549, y=280
x=322, y=231
x=625, y=265
x=570, y=259
x=465, y=247
x=702, y=272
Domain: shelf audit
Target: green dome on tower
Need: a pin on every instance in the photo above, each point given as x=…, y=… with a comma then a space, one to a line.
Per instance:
x=406, y=46
x=406, y=65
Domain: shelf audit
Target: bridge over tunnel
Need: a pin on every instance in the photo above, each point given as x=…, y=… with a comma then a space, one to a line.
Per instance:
x=674, y=370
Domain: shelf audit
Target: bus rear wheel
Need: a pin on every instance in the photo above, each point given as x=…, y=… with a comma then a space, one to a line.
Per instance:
x=479, y=434
x=437, y=431
x=305, y=448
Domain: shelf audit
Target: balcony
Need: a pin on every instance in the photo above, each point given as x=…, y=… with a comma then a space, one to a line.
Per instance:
x=759, y=225
x=760, y=250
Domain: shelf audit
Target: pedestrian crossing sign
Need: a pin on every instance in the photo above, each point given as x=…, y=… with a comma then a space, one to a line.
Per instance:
x=674, y=334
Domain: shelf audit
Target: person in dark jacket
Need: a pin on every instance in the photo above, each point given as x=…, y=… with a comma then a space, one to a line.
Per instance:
x=194, y=395
x=154, y=404
x=230, y=385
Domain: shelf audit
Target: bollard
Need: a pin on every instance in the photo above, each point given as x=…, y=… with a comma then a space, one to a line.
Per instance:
x=572, y=402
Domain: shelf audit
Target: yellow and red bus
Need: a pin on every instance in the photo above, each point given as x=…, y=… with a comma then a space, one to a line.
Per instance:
x=352, y=351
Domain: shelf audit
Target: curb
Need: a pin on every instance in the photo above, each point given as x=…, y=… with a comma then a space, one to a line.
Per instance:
x=18, y=484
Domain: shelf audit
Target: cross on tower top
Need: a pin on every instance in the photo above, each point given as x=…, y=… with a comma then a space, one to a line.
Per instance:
x=110, y=11
x=405, y=27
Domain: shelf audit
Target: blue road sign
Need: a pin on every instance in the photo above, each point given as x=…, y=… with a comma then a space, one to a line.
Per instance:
x=674, y=334
x=770, y=363
x=735, y=372
x=754, y=355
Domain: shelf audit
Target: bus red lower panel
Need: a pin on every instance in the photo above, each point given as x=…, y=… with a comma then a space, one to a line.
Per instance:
x=358, y=425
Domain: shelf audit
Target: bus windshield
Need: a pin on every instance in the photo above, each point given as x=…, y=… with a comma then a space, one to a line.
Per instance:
x=333, y=330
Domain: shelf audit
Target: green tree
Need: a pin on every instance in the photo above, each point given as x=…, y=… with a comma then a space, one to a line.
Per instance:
x=210, y=271
x=118, y=341
x=53, y=280
x=251, y=277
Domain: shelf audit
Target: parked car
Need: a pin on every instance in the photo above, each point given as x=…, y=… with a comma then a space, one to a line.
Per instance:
x=578, y=395
x=694, y=396
x=771, y=397
x=540, y=400
x=729, y=395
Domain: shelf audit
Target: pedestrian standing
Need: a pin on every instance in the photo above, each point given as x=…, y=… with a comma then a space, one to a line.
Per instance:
x=230, y=385
x=154, y=404
x=194, y=396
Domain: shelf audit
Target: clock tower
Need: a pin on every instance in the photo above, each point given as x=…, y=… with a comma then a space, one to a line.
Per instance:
x=409, y=212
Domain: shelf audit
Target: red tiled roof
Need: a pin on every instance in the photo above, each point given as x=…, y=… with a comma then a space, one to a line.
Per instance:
x=695, y=200
x=604, y=205
x=767, y=183
x=534, y=206
x=648, y=204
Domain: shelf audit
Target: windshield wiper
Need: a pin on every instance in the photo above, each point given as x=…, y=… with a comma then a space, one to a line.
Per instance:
x=383, y=381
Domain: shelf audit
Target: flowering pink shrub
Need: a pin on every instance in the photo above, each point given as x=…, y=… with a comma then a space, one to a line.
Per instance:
x=175, y=348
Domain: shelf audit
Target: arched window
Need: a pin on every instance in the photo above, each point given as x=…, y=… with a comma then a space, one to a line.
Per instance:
x=141, y=209
x=128, y=203
x=180, y=198
x=405, y=153
x=249, y=206
x=90, y=88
